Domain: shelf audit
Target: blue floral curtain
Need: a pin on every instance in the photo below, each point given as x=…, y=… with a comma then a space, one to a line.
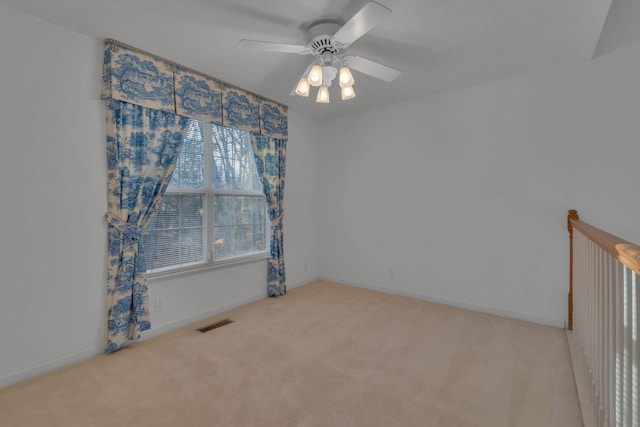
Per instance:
x=149, y=101
x=143, y=145
x=270, y=155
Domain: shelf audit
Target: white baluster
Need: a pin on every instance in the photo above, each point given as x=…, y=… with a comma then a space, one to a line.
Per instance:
x=628, y=318
x=635, y=346
x=620, y=313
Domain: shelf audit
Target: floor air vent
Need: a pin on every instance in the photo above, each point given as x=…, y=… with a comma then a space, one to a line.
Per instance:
x=216, y=325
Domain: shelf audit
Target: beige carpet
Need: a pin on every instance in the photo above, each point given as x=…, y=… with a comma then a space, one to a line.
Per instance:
x=324, y=355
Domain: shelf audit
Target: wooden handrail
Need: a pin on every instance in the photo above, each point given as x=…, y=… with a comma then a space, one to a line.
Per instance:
x=625, y=252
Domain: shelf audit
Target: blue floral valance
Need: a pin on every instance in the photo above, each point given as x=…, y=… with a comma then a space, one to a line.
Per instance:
x=273, y=119
x=137, y=79
x=240, y=110
x=198, y=97
x=140, y=78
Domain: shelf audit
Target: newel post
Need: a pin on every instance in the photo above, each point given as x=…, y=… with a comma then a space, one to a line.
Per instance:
x=573, y=214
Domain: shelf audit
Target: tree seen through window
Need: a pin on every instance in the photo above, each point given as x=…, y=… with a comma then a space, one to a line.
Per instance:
x=214, y=209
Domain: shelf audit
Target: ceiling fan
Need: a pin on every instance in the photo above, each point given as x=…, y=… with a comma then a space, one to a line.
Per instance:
x=328, y=43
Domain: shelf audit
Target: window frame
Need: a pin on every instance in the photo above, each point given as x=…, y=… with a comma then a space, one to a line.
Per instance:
x=210, y=194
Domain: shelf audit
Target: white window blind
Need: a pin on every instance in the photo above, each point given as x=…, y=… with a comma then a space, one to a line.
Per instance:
x=214, y=209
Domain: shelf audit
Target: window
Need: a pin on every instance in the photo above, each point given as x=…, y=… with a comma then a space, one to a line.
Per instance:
x=214, y=209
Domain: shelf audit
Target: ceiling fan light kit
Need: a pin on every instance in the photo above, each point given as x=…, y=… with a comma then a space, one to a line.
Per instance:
x=328, y=43
x=303, y=87
x=315, y=76
x=322, y=76
x=323, y=95
x=347, y=92
x=346, y=78
x=329, y=73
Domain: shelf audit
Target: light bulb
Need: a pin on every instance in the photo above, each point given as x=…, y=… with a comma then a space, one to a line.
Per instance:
x=315, y=76
x=347, y=92
x=323, y=95
x=346, y=78
x=303, y=87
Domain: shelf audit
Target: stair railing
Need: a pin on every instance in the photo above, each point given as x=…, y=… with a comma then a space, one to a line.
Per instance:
x=603, y=315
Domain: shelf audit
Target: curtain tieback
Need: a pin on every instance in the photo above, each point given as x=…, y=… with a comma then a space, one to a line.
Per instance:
x=125, y=228
x=277, y=220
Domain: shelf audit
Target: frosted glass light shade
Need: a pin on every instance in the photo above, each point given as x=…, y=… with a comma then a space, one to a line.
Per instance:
x=347, y=92
x=346, y=78
x=303, y=87
x=323, y=95
x=315, y=76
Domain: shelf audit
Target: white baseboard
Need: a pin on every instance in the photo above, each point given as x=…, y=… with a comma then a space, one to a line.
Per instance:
x=169, y=326
x=81, y=355
x=453, y=303
x=51, y=365
x=303, y=282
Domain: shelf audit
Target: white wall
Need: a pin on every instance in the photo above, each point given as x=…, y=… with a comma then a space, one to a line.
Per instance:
x=464, y=195
x=53, y=181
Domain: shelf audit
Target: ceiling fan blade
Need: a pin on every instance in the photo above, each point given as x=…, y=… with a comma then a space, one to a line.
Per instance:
x=272, y=47
x=372, y=68
x=368, y=17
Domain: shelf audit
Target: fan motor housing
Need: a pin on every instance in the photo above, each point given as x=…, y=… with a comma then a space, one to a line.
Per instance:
x=321, y=35
x=322, y=44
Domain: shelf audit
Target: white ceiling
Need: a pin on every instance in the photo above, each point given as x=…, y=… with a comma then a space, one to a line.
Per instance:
x=438, y=45
x=621, y=28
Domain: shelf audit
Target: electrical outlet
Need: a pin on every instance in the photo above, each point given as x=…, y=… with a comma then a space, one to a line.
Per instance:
x=306, y=266
x=159, y=304
x=392, y=273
